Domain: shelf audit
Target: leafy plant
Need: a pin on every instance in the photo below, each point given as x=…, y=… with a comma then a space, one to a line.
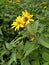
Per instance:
x=28, y=45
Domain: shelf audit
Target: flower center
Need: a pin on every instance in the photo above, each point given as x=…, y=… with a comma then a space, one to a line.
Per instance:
x=25, y=19
x=19, y=22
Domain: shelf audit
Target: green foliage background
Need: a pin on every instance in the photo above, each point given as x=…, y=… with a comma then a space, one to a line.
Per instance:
x=16, y=47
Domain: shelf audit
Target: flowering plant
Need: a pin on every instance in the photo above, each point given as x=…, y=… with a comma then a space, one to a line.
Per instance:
x=24, y=32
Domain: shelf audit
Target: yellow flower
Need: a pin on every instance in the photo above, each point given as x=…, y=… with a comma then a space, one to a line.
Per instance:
x=43, y=3
x=27, y=17
x=33, y=38
x=22, y=20
x=9, y=1
x=45, y=7
x=17, y=1
x=18, y=23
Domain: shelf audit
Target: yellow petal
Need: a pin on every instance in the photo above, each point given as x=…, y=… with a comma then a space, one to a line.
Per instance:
x=21, y=25
x=13, y=27
x=32, y=38
x=32, y=20
x=17, y=28
x=43, y=3
x=45, y=7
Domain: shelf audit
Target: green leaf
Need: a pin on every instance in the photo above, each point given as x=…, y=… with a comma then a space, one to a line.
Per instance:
x=41, y=28
x=45, y=56
x=19, y=55
x=32, y=28
x=46, y=63
x=25, y=62
x=29, y=47
x=44, y=41
x=35, y=26
x=8, y=46
x=24, y=33
x=1, y=2
x=3, y=52
x=35, y=62
x=13, y=58
x=20, y=46
x=0, y=31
